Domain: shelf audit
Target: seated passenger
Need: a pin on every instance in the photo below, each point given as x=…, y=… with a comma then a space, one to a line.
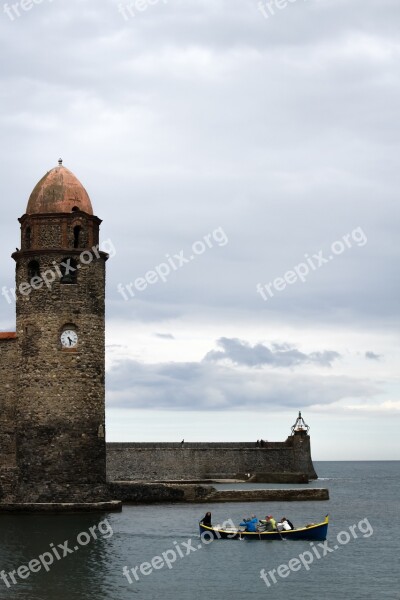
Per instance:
x=286, y=524
x=250, y=524
x=206, y=520
x=270, y=523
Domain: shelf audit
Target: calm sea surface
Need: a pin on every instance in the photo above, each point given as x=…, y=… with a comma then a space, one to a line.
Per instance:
x=363, y=568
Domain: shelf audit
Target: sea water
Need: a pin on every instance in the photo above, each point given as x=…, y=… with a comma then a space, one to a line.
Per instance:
x=364, y=527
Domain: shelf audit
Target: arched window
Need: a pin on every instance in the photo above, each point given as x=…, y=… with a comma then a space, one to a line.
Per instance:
x=28, y=238
x=75, y=209
x=77, y=236
x=68, y=268
x=33, y=269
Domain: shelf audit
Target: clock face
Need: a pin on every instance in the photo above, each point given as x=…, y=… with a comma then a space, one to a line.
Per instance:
x=69, y=338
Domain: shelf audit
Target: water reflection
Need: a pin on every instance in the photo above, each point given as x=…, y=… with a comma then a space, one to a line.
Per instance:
x=81, y=574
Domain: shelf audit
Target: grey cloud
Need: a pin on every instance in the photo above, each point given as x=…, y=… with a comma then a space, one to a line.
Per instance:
x=372, y=356
x=242, y=353
x=212, y=387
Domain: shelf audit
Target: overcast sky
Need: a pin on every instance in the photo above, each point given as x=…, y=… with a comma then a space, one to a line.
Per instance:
x=248, y=157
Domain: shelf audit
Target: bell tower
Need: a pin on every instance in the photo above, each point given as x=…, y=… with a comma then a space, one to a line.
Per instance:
x=60, y=370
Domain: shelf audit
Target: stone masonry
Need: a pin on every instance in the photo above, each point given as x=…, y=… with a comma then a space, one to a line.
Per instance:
x=190, y=461
x=52, y=428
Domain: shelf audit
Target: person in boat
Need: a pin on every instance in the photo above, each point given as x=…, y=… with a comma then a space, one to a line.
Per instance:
x=206, y=520
x=250, y=524
x=269, y=523
x=286, y=524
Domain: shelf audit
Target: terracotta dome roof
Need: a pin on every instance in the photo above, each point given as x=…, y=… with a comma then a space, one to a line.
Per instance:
x=59, y=191
x=8, y=335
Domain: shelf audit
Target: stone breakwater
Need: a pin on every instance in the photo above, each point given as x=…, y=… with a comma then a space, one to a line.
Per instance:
x=153, y=493
x=129, y=492
x=57, y=507
x=157, y=461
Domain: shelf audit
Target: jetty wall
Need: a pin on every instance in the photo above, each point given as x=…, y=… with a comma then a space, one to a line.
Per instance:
x=271, y=461
x=159, y=493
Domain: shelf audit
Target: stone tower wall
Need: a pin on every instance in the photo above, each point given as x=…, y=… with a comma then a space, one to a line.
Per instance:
x=302, y=453
x=54, y=230
x=60, y=395
x=7, y=418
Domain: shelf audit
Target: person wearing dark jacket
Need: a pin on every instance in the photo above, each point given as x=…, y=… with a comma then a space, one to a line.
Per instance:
x=206, y=520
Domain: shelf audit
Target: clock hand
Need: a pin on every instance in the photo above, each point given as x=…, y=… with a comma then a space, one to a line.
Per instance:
x=70, y=341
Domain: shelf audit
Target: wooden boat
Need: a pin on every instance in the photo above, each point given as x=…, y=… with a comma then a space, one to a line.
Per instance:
x=308, y=532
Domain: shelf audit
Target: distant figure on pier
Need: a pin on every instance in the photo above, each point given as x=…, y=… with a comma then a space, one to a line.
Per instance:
x=182, y=442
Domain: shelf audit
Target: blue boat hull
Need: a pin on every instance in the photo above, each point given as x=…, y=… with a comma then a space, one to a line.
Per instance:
x=312, y=532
